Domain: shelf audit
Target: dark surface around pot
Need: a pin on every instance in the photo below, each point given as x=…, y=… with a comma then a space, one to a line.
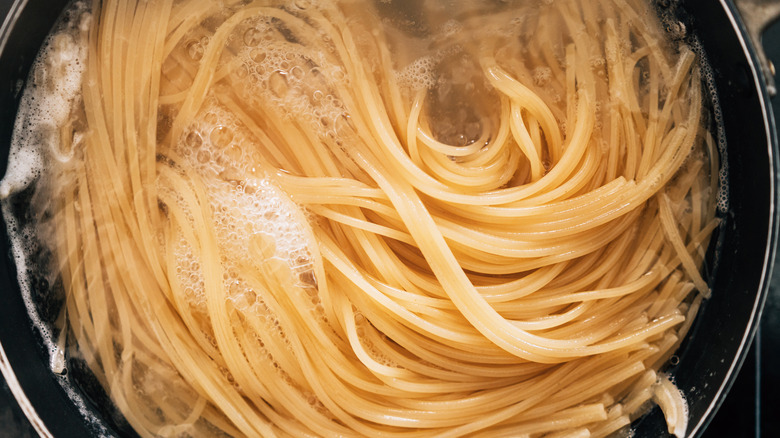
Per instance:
x=751, y=408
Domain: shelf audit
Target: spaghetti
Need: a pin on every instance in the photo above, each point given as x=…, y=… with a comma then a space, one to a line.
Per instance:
x=317, y=219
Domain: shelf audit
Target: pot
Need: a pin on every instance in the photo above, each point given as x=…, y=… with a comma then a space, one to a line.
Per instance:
x=709, y=359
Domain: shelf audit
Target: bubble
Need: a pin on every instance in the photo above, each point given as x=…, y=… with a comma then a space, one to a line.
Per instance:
x=211, y=118
x=297, y=72
x=193, y=140
x=221, y=136
x=278, y=83
x=235, y=152
x=195, y=50
x=257, y=55
x=253, y=37
x=339, y=75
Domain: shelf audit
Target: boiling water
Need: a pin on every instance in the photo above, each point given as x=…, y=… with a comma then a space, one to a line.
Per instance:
x=248, y=207
x=52, y=91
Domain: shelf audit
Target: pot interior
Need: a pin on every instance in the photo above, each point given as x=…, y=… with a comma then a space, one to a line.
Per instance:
x=75, y=405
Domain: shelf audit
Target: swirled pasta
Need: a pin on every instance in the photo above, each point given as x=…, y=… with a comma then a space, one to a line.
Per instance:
x=343, y=219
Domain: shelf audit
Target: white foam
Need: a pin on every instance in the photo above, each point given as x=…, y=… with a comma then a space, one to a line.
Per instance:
x=56, y=80
x=420, y=74
x=245, y=205
x=49, y=96
x=46, y=104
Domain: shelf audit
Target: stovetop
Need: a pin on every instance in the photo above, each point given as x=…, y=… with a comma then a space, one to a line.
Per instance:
x=751, y=409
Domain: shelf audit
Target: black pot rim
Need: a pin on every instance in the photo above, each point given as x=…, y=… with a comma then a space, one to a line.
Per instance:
x=771, y=133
